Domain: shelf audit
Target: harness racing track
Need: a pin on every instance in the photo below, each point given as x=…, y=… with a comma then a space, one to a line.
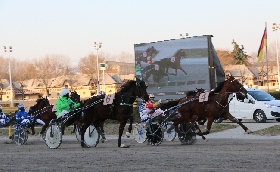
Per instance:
x=257, y=153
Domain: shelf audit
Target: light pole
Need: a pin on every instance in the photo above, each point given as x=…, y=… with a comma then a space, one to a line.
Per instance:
x=97, y=46
x=275, y=27
x=103, y=67
x=10, y=75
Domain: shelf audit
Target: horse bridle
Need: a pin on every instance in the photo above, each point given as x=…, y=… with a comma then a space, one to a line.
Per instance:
x=232, y=81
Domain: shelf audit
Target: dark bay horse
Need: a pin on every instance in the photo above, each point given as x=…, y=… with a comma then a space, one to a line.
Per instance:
x=160, y=69
x=146, y=56
x=43, y=110
x=174, y=62
x=217, y=105
x=121, y=109
x=157, y=70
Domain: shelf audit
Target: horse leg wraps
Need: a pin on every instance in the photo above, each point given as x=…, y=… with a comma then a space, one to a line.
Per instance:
x=40, y=121
x=170, y=128
x=235, y=120
x=206, y=132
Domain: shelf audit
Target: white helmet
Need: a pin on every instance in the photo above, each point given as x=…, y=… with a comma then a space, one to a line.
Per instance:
x=64, y=91
x=151, y=96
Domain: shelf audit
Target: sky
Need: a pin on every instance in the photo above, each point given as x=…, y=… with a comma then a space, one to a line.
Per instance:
x=35, y=28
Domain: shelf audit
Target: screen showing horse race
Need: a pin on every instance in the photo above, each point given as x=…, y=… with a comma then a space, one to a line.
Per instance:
x=171, y=68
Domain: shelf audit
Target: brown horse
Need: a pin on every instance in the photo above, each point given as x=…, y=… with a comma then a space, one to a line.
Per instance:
x=175, y=62
x=38, y=110
x=121, y=109
x=214, y=108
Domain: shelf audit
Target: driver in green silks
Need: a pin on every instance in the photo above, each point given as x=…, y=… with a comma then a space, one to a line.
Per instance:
x=64, y=104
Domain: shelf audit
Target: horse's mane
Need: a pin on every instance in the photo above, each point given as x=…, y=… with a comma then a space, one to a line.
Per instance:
x=191, y=93
x=218, y=88
x=178, y=53
x=126, y=86
x=169, y=104
x=150, y=48
x=43, y=110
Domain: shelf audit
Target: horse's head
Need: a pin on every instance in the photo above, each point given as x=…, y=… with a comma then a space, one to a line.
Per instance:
x=75, y=97
x=233, y=85
x=180, y=53
x=142, y=89
x=40, y=104
x=194, y=93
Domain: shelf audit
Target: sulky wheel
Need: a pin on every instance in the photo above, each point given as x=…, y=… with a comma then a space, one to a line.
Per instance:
x=154, y=133
x=169, y=136
x=91, y=136
x=53, y=136
x=140, y=133
x=187, y=136
x=20, y=136
x=78, y=133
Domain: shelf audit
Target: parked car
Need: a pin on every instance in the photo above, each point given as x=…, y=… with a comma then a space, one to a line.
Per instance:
x=259, y=105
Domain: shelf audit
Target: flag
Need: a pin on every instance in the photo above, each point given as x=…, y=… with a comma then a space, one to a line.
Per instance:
x=263, y=43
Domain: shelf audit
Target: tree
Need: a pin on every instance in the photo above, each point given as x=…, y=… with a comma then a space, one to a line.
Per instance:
x=50, y=67
x=238, y=53
x=225, y=57
x=23, y=70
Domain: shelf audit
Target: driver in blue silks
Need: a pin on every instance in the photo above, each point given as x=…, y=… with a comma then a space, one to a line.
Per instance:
x=22, y=117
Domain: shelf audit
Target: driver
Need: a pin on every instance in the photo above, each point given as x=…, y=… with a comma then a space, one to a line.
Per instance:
x=2, y=117
x=151, y=104
x=22, y=117
x=64, y=104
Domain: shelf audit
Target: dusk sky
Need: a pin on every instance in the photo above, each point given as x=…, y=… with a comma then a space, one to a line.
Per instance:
x=36, y=28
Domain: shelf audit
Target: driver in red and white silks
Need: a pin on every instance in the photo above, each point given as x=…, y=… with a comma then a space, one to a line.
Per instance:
x=151, y=104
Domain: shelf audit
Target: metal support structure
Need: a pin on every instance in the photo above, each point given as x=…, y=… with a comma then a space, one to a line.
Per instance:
x=97, y=46
x=104, y=88
x=276, y=27
x=10, y=75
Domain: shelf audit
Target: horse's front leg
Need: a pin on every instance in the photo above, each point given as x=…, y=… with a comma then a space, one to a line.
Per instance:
x=121, y=128
x=129, y=127
x=208, y=126
x=233, y=119
x=44, y=127
x=62, y=129
x=32, y=127
x=102, y=132
x=182, y=70
x=197, y=131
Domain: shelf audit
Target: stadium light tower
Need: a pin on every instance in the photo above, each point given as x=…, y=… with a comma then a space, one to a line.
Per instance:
x=276, y=27
x=10, y=75
x=181, y=36
x=97, y=46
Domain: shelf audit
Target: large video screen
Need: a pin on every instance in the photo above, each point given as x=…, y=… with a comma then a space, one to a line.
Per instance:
x=171, y=68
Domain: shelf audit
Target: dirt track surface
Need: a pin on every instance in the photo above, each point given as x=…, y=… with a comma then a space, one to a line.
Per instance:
x=215, y=155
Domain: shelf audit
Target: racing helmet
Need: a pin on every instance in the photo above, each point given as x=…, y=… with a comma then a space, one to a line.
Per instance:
x=151, y=96
x=21, y=107
x=64, y=91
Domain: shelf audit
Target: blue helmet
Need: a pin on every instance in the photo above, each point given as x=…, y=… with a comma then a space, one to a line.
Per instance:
x=21, y=107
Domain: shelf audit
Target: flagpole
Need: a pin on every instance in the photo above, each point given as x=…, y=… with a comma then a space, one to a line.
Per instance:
x=266, y=63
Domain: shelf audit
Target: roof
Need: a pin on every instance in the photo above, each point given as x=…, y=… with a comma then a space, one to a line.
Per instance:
x=238, y=70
